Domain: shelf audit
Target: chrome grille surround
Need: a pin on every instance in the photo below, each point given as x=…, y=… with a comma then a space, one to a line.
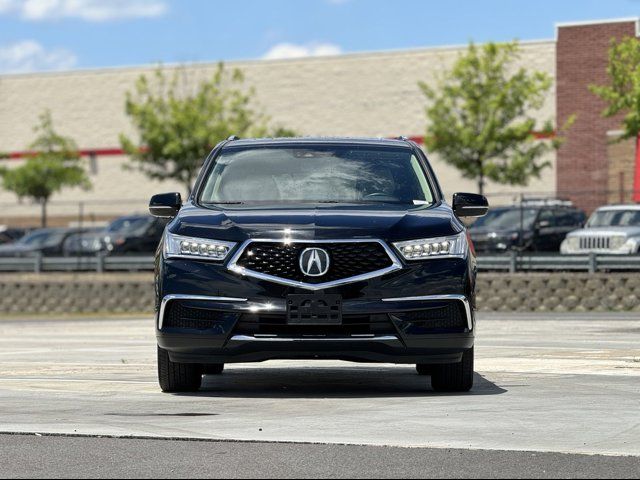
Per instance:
x=234, y=267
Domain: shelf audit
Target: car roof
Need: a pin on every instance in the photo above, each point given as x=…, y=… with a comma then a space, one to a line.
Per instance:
x=619, y=207
x=360, y=141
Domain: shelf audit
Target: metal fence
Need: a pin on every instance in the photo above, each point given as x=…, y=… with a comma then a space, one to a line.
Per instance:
x=98, y=264
x=514, y=262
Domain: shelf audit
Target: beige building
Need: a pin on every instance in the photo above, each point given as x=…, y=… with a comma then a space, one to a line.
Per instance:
x=368, y=94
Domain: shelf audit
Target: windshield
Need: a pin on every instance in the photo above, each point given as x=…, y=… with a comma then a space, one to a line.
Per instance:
x=317, y=174
x=615, y=218
x=508, y=219
x=40, y=239
x=128, y=224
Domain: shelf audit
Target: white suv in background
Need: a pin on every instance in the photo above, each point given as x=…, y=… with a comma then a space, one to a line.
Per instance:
x=614, y=229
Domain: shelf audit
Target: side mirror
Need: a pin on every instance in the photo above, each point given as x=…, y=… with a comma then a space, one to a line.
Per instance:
x=470, y=205
x=165, y=205
x=544, y=224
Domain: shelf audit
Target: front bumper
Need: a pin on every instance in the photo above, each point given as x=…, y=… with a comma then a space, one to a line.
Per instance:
x=403, y=341
x=386, y=301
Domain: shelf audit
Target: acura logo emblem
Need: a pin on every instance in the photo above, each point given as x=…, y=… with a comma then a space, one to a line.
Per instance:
x=314, y=262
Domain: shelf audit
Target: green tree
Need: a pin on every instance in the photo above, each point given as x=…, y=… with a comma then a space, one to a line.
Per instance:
x=480, y=118
x=54, y=165
x=179, y=120
x=623, y=92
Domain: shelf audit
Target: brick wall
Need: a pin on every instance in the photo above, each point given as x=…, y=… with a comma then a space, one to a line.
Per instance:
x=582, y=58
x=621, y=157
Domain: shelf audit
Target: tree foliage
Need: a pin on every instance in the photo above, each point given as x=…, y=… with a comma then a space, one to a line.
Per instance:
x=623, y=92
x=54, y=166
x=480, y=118
x=179, y=120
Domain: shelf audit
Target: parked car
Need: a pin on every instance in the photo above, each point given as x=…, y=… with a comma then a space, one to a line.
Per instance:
x=47, y=242
x=614, y=229
x=10, y=235
x=538, y=226
x=316, y=249
x=134, y=234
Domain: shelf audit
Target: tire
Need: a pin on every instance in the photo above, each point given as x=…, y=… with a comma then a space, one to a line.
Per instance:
x=177, y=377
x=214, y=369
x=454, y=377
x=424, y=369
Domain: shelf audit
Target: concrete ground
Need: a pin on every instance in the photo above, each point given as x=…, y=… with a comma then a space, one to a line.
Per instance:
x=564, y=384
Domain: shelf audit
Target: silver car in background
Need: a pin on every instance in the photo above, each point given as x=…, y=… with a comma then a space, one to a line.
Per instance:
x=614, y=230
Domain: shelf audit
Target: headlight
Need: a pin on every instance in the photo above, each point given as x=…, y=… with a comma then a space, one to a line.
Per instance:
x=177, y=246
x=573, y=243
x=455, y=246
x=617, y=242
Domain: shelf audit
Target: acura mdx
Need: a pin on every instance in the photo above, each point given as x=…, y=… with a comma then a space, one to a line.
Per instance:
x=316, y=249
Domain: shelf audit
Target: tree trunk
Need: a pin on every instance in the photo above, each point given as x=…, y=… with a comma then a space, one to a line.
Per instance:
x=481, y=183
x=43, y=213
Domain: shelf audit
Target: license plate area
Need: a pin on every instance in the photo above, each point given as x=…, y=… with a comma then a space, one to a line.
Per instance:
x=314, y=309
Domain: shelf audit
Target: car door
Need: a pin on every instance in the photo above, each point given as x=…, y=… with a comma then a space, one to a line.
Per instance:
x=546, y=231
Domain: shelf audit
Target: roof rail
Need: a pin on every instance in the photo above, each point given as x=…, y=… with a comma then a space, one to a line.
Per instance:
x=555, y=202
x=233, y=138
x=403, y=138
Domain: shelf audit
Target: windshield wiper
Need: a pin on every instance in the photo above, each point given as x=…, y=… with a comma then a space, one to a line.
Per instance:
x=223, y=203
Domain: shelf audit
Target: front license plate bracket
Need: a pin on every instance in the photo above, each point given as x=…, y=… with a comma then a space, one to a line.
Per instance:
x=314, y=309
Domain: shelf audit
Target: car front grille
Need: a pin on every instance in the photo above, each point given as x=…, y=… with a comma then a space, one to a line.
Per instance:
x=595, y=243
x=181, y=316
x=348, y=259
x=255, y=324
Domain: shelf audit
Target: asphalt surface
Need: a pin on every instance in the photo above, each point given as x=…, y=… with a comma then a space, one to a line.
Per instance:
x=134, y=458
x=556, y=395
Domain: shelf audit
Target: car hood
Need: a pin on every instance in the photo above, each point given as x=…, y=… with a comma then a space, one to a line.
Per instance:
x=481, y=232
x=14, y=250
x=606, y=231
x=317, y=222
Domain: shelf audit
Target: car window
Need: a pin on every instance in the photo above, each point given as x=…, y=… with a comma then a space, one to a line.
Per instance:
x=549, y=217
x=614, y=218
x=129, y=224
x=568, y=218
x=35, y=239
x=315, y=174
x=511, y=218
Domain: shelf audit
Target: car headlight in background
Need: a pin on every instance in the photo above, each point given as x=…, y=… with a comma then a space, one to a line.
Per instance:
x=617, y=242
x=572, y=243
x=177, y=246
x=454, y=246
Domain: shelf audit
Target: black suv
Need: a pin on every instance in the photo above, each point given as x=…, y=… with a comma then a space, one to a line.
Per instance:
x=534, y=225
x=316, y=249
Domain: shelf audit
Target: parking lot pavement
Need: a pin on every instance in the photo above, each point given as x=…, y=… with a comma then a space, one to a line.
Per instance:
x=64, y=457
x=544, y=383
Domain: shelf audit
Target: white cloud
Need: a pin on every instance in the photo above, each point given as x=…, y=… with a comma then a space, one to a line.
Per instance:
x=30, y=56
x=291, y=50
x=89, y=10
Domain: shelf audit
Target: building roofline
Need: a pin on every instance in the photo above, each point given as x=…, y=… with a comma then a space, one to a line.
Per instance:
x=258, y=61
x=586, y=23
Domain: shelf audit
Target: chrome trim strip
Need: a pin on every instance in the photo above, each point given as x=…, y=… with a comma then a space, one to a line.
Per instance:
x=426, y=298
x=247, y=338
x=169, y=298
x=234, y=267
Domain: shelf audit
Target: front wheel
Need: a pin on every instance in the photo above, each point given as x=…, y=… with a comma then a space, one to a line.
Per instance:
x=177, y=377
x=454, y=377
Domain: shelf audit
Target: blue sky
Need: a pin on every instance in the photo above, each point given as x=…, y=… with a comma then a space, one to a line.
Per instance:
x=62, y=34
